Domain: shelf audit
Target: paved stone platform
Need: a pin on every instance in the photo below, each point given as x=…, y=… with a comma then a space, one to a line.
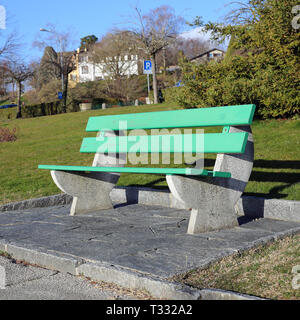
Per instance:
x=147, y=240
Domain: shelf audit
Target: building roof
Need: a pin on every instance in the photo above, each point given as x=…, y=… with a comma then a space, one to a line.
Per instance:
x=206, y=52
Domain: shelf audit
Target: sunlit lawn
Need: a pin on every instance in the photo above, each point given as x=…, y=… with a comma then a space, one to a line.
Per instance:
x=57, y=140
x=266, y=271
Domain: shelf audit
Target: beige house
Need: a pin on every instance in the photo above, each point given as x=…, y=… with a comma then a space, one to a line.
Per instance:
x=213, y=54
x=74, y=75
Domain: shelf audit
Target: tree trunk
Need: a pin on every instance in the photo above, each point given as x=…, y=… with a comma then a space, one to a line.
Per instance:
x=13, y=88
x=19, y=113
x=65, y=94
x=165, y=61
x=155, y=89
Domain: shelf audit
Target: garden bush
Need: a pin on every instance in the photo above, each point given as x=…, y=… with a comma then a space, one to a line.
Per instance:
x=48, y=109
x=171, y=95
x=262, y=65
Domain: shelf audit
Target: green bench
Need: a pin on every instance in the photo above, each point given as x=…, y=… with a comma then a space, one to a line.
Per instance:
x=90, y=186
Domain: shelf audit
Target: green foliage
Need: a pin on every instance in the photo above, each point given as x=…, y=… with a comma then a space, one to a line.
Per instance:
x=43, y=109
x=262, y=65
x=94, y=91
x=87, y=41
x=171, y=95
x=8, y=114
x=217, y=84
x=45, y=101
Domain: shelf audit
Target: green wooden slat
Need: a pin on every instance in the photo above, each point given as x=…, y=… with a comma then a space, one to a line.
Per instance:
x=166, y=171
x=201, y=117
x=188, y=143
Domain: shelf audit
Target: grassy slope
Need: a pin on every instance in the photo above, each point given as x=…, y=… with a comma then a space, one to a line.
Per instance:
x=7, y=114
x=265, y=271
x=57, y=140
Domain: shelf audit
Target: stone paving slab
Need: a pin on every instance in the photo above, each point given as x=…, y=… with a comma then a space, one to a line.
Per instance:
x=148, y=240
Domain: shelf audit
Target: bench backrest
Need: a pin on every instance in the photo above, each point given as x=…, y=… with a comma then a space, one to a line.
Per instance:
x=204, y=117
x=201, y=117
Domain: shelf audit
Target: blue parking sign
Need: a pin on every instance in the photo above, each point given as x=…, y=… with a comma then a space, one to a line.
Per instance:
x=147, y=67
x=60, y=95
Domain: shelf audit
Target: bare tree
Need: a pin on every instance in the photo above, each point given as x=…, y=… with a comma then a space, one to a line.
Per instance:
x=9, y=43
x=181, y=47
x=116, y=58
x=8, y=46
x=4, y=79
x=115, y=55
x=19, y=72
x=155, y=31
x=64, y=60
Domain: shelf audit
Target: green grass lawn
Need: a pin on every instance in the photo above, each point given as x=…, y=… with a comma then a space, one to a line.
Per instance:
x=57, y=140
x=8, y=114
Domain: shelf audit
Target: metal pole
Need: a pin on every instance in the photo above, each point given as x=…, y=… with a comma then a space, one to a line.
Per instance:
x=148, y=81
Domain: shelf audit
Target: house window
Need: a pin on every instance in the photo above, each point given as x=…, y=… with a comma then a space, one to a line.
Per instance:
x=85, y=70
x=83, y=59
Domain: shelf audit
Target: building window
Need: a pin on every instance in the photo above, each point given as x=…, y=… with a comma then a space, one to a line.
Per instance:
x=85, y=70
x=83, y=59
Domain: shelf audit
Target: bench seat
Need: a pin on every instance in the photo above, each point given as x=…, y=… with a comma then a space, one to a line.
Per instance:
x=166, y=171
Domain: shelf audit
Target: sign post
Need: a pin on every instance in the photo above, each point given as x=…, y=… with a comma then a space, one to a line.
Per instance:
x=148, y=82
x=148, y=71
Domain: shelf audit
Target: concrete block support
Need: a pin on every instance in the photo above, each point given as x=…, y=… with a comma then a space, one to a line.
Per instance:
x=213, y=199
x=91, y=191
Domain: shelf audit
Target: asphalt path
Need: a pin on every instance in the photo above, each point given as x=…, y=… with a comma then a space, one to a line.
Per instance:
x=20, y=281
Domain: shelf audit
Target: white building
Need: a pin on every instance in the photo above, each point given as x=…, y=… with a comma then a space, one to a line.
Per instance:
x=89, y=71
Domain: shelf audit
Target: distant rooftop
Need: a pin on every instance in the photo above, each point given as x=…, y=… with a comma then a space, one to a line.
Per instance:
x=206, y=52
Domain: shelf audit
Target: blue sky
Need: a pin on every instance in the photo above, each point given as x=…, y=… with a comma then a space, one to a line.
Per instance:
x=85, y=17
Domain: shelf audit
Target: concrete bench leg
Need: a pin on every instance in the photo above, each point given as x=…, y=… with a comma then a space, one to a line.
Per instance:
x=213, y=199
x=91, y=191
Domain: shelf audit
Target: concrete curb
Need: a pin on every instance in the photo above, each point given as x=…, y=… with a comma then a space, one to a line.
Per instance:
x=158, y=288
x=130, y=279
x=54, y=261
x=50, y=201
x=216, y=294
x=253, y=207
